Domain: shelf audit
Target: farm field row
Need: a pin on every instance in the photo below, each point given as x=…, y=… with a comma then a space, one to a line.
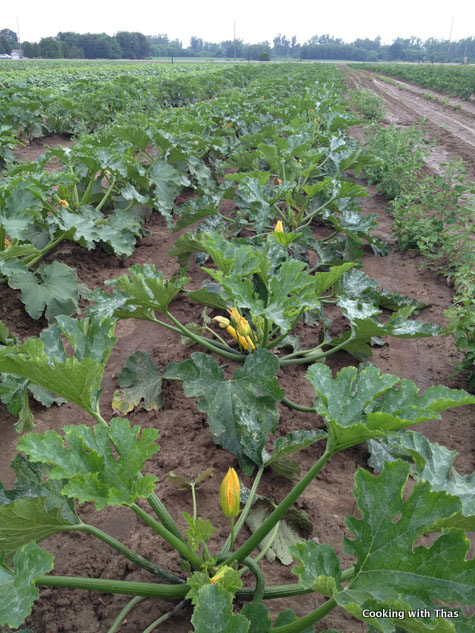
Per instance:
x=38, y=99
x=457, y=81
x=232, y=226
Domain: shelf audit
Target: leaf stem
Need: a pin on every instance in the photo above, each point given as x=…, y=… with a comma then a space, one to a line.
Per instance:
x=300, y=624
x=130, y=554
x=280, y=511
x=106, y=196
x=282, y=336
x=181, y=547
x=252, y=565
x=164, y=617
x=124, y=587
x=128, y=607
x=297, y=407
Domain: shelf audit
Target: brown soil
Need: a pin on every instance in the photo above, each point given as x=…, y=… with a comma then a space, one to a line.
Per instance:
x=31, y=151
x=187, y=447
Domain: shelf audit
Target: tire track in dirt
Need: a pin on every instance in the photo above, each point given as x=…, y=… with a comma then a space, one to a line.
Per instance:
x=453, y=130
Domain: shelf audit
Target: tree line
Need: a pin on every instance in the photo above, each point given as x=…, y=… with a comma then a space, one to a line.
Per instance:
x=128, y=45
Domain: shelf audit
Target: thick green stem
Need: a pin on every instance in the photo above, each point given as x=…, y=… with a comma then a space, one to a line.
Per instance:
x=130, y=554
x=163, y=618
x=164, y=516
x=282, y=336
x=297, y=407
x=32, y=259
x=181, y=547
x=266, y=332
x=300, y=624
x=128, y=607
x=279, y=512
x=106, y=196
x=245, y=511
x=87, y=193
x=124, y=587
x=314, y=358
x=313, y=214
x=2, y=237
x=260, y=582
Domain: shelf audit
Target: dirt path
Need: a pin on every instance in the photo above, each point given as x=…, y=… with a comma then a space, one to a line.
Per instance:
x=453, y=129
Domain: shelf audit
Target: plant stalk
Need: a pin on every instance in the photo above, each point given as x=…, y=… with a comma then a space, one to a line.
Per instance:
x=300, y=624
x=130, y=554
x=181, y=547
x=279, y=512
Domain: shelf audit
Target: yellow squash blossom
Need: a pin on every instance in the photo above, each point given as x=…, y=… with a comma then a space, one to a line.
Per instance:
x=7, y=243
x=230, y=494
x=279, y=228
x=64, y=204
x=221, y=321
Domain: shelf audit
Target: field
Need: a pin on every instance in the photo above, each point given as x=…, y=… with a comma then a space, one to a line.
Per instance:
x=196, y=250
x=456, y=81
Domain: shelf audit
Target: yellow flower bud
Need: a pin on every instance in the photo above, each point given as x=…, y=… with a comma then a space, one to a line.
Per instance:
x=220, y=575
x=230, y=330
x=221, y=321
x=7, y=243
x=279, y=228
x=64, y=203
x=279, y=180
x=230, y=494
x=234, y=314
x=251, y=344
x=243, y=327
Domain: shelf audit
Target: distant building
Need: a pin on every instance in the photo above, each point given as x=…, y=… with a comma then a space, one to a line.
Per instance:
x=17, y=53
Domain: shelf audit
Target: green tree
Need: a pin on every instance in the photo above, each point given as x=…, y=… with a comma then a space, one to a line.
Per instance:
x=50, y=48
x=10, y=35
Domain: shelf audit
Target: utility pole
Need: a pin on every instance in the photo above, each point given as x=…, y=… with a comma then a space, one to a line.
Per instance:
x=234, y=40
x=18, y=32
x=450, y=39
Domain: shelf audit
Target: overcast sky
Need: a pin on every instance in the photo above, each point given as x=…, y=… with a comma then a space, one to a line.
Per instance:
x=256, y=20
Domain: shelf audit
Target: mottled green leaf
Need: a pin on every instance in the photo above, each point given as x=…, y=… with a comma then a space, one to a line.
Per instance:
x=390, y=569
x=58, y=290
x=17, y=586
x=240, y=410
x=90, y=465
x=431, y=462
x=214, y=612
x=139, y=381
x=147, y=289
x=27, y=519
x=319, y=567
x=287, y=616
x=355, y=411
x=258, y=616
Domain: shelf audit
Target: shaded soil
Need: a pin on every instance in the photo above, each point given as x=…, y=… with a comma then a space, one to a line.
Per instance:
x=187, y=447
x=31, y=151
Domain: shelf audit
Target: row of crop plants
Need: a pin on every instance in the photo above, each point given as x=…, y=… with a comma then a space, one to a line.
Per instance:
x=42, y=100
x=433, y=213
x=278, y=149
x=456, y=81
